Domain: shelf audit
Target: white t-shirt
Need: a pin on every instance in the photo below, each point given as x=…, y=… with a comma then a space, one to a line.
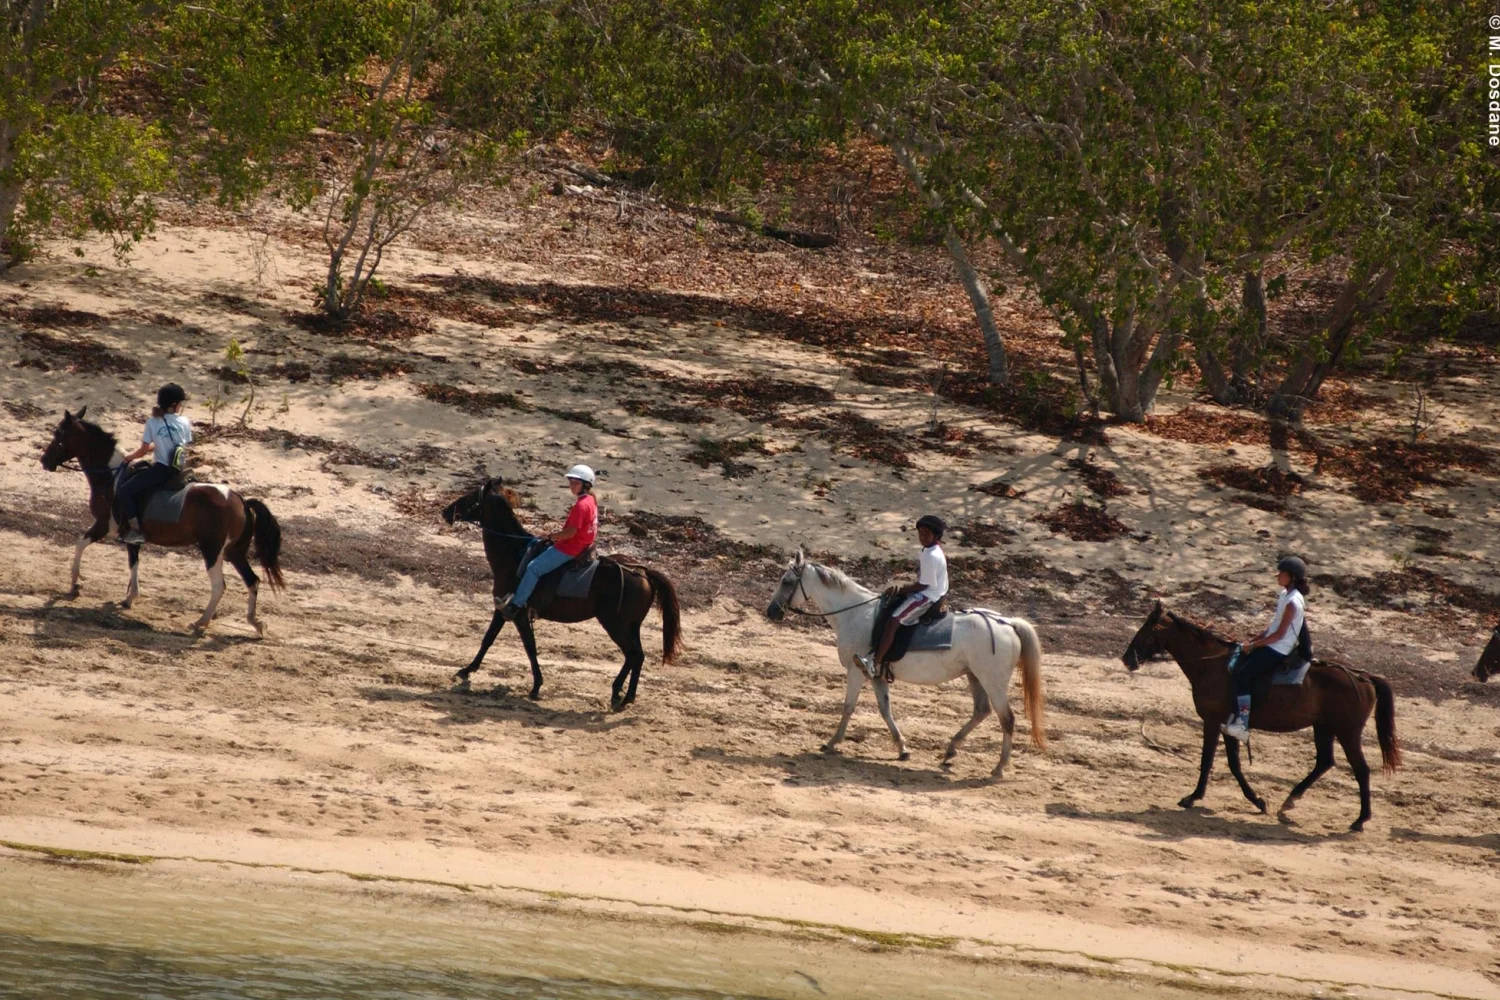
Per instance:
x=932, y=572
x=168, y=433
x=1288, y=598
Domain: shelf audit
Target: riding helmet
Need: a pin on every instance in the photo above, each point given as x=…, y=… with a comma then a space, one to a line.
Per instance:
x=1293, y=567
x=170, y=395
x=582, y=473
x=932, y=523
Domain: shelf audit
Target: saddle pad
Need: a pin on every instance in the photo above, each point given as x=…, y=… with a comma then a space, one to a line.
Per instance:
x=166, y=508
x=1292, y=675
x=922, y=638
x=575, y=583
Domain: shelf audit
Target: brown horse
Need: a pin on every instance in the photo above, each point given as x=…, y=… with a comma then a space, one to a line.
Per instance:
x=620, y=596
x=1334, y=699
x=218, y=521
x=1489, y=661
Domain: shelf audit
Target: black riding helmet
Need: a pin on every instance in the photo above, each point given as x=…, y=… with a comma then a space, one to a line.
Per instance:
x=932, y=523
x=170, y=395
x=1293, y=567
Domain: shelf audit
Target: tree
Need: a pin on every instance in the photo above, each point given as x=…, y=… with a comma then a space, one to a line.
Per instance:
x=63, y=158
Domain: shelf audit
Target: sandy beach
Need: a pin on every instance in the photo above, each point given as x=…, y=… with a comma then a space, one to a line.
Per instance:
x=337, y=743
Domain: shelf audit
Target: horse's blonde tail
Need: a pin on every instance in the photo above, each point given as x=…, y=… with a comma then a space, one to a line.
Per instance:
x=1031, y=679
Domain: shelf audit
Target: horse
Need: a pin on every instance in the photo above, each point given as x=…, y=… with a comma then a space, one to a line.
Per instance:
x=621, y=594
x=1334, y=699
x=220, y=522
x=1489, y=661
x=986, y=649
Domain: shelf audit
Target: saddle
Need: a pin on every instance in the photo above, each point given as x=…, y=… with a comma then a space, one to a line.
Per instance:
x=934, y=630
x=160, y=503
x=1292, y=674
x=570, y=581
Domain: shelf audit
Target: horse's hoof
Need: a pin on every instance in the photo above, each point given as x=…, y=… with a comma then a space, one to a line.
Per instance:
x=1358, y=826
x=1284, y=819
x=828, y=748
x=1261, y=805
x=997, y=774
x=1187, y=802
x=535, y=694
x=904, y=755
x=461, y=682
x=260, y=629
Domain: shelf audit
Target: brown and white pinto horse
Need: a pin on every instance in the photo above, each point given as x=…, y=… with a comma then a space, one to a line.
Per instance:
x=218, y=521
x=1335, y=700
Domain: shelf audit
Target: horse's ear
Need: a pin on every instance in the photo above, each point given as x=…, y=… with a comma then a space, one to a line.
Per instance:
x=800, y=558
x=83, y=411
x=1157, y=608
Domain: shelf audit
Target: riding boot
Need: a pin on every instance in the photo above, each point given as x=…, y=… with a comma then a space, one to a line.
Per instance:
x=1238, y=726
x=132, y=535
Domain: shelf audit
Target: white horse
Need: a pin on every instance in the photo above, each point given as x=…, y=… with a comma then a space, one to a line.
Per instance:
x=986, y=649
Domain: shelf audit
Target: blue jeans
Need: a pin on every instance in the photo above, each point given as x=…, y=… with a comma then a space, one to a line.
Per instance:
x=127, y=497
x=545, y=562
x=1255, y=665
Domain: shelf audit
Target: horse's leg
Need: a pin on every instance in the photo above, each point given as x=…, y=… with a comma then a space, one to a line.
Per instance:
x=1323, y=741
x=528, y=640
x=238, y=554
x=1232, y=751
x=1210, y=746
x=213, y=558
x=997, y=688
x=86, y=539
x=1008, y=724
x=627, y=636
x=883, y=701
x=133, y=553
x=851, y=699
x=497, y=622
x=981, y=712
x=1354, y=752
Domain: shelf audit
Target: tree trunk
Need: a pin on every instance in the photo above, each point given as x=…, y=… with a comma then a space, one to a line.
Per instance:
x=1359, y=297
x=979, y=298
x=1243, y=345
x=10, y=192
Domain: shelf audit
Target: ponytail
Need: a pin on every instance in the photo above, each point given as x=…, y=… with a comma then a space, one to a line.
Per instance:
x=157, y=412
x=1300, y=585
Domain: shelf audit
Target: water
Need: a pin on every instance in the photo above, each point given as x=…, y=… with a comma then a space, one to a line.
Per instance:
x=100, y=932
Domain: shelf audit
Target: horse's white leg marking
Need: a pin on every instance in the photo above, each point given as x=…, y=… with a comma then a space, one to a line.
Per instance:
x=981, y=712
x=84, y=541
x=851, y=698
x=883, y=700
x=216, y=581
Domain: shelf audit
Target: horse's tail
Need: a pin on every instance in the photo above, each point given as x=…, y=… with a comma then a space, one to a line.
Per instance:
x=267, y=541
x=671, y=613
x=1031, y=679
x=1385, y=723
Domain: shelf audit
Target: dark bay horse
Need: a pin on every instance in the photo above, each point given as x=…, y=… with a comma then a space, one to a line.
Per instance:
x=620, y=597
x=218, y=521
x=1334, y=700
x=1489, y=661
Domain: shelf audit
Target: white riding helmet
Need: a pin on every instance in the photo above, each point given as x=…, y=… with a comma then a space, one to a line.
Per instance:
x=582, y=473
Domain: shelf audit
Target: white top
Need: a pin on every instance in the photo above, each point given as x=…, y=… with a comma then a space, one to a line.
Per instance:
x=1288, y=598
x=167, y=432
x=932, y=572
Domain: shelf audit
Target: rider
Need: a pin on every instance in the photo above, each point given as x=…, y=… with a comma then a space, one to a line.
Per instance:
x=576, y=535
x=1268, y=651
x=931, y=586
x=169, y=433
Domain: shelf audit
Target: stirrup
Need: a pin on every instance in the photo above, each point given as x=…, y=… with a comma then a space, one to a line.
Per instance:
x=1237, y=728
x=866, y=663
x=132, y=537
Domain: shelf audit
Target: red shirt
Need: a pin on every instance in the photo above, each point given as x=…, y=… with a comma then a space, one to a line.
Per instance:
x=585, y=517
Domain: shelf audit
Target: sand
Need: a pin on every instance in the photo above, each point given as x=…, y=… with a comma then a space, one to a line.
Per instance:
x=338, y=743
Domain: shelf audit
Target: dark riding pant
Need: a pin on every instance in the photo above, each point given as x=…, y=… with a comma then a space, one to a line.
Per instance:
x=1252, y=667
x=127, y=497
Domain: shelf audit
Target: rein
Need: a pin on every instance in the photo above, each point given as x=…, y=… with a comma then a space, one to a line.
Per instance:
x=824, y=614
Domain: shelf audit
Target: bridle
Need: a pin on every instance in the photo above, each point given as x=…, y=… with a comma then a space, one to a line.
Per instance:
x=802, y=587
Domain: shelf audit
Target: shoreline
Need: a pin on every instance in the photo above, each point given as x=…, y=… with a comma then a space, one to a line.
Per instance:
x=845, y=916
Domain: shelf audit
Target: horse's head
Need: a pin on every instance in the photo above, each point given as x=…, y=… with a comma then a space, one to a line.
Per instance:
x=1489, y=660
x=789, y=589
x=67, y=441
x=470, y=506
x=1149, y=642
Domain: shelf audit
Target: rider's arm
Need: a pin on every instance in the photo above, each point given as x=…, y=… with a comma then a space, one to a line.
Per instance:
x=567, y=532
x=144, y=447
x=1274, y=636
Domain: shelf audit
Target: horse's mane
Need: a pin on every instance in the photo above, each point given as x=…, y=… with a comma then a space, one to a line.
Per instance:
x=836, y=577
x=1201, y=631
x=96, y=433
x=507, y=500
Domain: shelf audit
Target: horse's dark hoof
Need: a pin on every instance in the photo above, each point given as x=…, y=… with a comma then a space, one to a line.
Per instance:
x=904, y=755
x=828, y=748
x=535, y=694
x=1358, y=826
x=1187, y=801
x=1261, y=805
